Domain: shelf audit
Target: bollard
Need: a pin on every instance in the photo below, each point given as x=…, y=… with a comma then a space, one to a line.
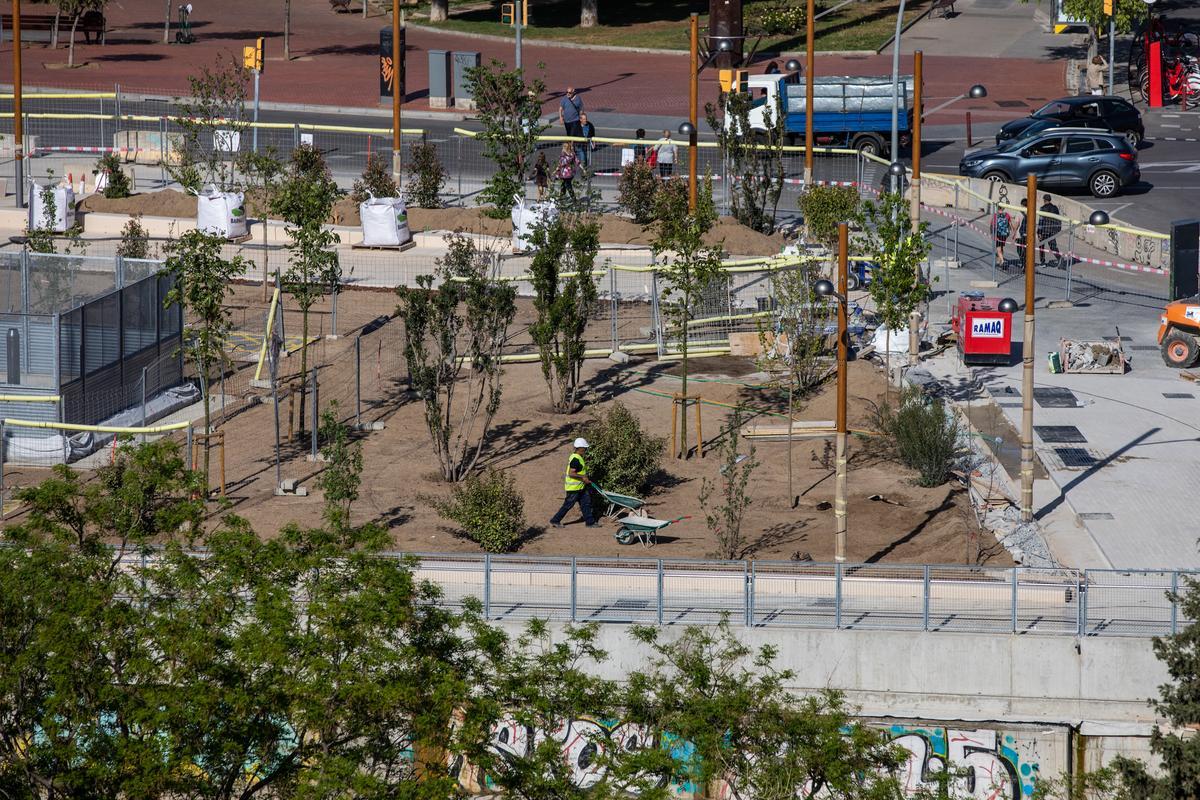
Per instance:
x=968, y=129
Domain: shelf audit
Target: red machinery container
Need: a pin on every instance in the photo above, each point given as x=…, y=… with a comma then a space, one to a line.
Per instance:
x=983, y=326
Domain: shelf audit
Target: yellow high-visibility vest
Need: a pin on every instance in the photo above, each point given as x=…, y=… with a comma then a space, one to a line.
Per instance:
x=571, y=484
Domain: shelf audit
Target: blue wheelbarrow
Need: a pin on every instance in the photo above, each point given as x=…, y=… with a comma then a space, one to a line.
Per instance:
x=643, y=529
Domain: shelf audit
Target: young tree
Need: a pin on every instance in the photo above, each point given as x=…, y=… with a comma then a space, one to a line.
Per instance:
x=376, y=179
x=426, y=176
x=261, y=172
x=216, y=106
x=74, y=9
x=755, y=156
x=342, y=476
x=510, y=112
x=287, y=30
x=725, y=515
x=565, y=298
x=135, y=240
x=202, y=280
x=690, y=267
x=1125, y=13
x=748, y=732
x=898, y=250
x=823, y=207
x=304, y=198
x=454, y=336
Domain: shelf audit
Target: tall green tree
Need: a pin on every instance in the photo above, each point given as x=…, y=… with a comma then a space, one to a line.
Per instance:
x=215, y=105
x=748, y=732
x=305, y=198
x=754, y=155
x=509, y=110
x=725, y=500
x=690, y=267
x=453, y=339
x=1126, y=13
x=565, y=298
x=202, y=280
x=898, y=249
x=1179, y=703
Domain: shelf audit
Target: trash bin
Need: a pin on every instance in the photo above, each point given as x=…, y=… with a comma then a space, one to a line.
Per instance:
x=463, y=61
x=386, y=73
x=439, y=79
x=983, y=329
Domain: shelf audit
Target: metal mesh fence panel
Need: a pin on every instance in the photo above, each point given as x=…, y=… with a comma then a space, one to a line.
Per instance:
x=702, y=592
x=970, y=599
x=525, y=587
x=1047, y=602
x=458, y=576
x=617, y=590
x=794, y=594
x=883, y=596
x=1132, y=603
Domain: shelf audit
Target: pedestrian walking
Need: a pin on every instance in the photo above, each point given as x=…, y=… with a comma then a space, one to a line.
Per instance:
x=577, y=485
x=587, y=130
x=664, y=151
x=1096, y=70
x=1001, y=229
x=567, y=164
x=639, y=148
x=541, y=175
x=1023, y=234
x=1048, y=229
x=569, y=109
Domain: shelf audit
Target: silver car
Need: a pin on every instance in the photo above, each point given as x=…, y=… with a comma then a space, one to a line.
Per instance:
x=1103, y=163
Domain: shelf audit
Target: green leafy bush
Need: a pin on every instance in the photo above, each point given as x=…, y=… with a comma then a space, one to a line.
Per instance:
x=488, y=508
x=135, y=240
x=782, y=18
x=636, y=190
x=923, y=434
x=119, y=184
x=376, y=179
x=672, y=199
x=622, y=457
x=823, y=207
x=426, y=177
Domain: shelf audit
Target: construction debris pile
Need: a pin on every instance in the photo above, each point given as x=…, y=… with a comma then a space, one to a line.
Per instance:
x=1092, y=356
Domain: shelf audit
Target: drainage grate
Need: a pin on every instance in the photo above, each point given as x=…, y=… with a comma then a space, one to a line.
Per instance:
x=1146, y=348
x=1178, y=395
x=1076, y=457
x=1060, y=434
x=1055, y=397
x=631, y=605
x=1009, y=405
x=1010, y=103
x=1095, y=515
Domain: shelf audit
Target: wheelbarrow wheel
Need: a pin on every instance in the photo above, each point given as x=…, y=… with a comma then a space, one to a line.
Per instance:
x=624, y=536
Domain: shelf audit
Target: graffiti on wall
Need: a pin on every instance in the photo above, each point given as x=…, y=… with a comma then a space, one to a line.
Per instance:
x=990, y=764
x=987, y=764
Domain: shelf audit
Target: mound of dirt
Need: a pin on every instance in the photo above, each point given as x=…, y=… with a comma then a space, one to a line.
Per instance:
x=163, y=203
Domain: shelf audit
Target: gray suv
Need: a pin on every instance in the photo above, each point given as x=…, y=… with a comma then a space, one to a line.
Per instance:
x=1104, y=163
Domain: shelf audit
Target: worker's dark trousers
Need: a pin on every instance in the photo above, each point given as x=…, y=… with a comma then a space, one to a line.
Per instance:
x=583, y=497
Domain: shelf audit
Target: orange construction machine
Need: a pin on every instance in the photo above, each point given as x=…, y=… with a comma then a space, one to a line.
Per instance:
x=1179, y=332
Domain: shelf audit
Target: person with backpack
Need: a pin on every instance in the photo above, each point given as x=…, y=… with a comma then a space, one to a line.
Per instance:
x=1001, y=230
x=1023, y=234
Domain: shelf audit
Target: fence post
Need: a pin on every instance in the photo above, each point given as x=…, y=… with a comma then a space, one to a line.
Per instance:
x=837, y=596
x=925, y=604
x=1014, y=599
x=163, y=150
x=993, y=209
x=144, y=370
x=358, y=381
x=2, y=442
x=333, y=315
x=1083, y=603
x=748, y=582
x=459, y=166
x=612, y=305
x=295, y=135
x=574, y=587
x=1070, y=258
x=654, y=314
x=1175, y=603
x=487, y=586
x=120, y=270
x=1080, y=617
x=116, y=111
x=660, y=592
x=316, y=387
x=190, y=454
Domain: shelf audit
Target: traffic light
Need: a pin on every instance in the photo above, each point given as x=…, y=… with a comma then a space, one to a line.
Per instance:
x=734, y=80
x=1108, y=8
x=252, y=54
x=508, y=13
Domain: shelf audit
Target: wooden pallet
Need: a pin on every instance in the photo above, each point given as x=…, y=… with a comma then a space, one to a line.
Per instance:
x=394, y=248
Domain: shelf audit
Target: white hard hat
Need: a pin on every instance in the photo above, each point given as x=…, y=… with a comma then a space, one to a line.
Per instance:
x=581, y=442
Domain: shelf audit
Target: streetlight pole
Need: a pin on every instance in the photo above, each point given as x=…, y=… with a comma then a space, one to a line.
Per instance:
x=915, y=195
x=18, y=132
x=397, y=152
x=518, y=22
x=693, y=103
x=810, y=60
x=839, y=481
x=1027, y=352
x=896, y=91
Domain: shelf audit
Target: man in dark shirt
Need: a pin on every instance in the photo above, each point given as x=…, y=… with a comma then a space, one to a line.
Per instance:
x=1048, y=229
x=1022, y=234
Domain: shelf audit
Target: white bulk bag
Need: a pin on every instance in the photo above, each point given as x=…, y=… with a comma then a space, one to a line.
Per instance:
x=221, y=213
x=64, y=208
x=527, y=217
x=384, y=222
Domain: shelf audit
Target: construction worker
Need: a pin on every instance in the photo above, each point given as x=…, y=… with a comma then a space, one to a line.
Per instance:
x=576, y=485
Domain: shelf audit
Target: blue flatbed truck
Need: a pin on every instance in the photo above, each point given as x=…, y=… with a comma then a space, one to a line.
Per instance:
x=850, y=111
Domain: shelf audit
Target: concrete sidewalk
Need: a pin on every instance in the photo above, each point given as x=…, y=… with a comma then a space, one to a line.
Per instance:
x=1122, y=451
x=335, y=64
